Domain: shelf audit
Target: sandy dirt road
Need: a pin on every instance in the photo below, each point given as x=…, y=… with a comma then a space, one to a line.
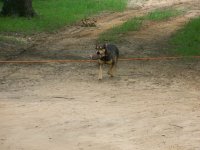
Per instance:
x=149, y=105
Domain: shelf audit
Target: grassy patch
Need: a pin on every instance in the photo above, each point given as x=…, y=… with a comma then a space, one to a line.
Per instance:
x=187, y=40
x=162, y=14
x=54, y=14
x=12, y=40
x=114, y=34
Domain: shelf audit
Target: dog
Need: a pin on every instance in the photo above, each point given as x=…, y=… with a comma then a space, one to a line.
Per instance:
x=106, y=54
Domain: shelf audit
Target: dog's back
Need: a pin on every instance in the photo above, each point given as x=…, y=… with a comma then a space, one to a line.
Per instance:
x=112, y=51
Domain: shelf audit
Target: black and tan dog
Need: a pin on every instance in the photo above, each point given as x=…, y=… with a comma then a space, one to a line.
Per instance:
x=106, y=54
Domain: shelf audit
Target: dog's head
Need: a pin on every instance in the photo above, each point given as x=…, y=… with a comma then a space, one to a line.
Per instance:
x=100, y=51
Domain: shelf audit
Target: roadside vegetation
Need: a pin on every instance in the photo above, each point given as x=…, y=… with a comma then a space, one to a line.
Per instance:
x=13, y=40
x=163, y=14
x=186, y=41
x=114, y=34
x=56, y=14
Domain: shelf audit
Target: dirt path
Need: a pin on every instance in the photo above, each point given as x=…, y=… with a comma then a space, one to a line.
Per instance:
x=149, y=105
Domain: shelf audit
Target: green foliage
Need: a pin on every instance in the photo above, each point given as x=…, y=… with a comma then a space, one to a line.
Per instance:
x=1, y=2
x=53, y=14
x=187, y=40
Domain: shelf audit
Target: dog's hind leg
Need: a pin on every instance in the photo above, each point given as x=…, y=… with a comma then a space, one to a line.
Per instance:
x=113, y=67
x=114, y=70
x=110, y=71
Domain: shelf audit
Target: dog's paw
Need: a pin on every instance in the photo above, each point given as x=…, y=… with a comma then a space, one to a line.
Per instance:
x=111, y=75
x=99, y=79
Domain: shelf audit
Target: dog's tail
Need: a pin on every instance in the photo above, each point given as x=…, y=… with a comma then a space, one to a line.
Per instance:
x=117, y=54
x=116, y=59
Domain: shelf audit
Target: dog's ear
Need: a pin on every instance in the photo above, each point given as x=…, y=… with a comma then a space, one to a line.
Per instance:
x=97, y=45
x=106, y=45
x=105, y=48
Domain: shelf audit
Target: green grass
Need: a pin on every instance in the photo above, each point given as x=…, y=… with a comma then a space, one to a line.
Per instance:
x=12, y=40
x=186, y=41
x=163, y=14
x=115, y=34
x=54, y=14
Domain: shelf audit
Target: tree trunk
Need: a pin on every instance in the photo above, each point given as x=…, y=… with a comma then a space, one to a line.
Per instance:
x=22, y=8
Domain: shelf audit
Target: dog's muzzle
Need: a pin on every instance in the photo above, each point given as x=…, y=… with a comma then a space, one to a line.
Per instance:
x=95, y=57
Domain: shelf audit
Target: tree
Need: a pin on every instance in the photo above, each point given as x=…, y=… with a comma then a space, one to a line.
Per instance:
x=22, y=8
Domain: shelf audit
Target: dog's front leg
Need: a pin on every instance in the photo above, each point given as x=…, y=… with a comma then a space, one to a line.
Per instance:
x=100, y=72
